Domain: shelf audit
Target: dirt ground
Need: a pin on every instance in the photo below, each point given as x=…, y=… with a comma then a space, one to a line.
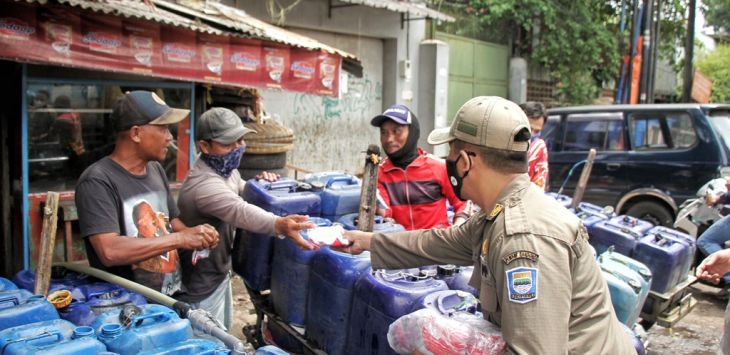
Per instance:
x=697, y=334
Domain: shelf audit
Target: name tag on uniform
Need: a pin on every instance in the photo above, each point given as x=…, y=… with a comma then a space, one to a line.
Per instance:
x=522, y=284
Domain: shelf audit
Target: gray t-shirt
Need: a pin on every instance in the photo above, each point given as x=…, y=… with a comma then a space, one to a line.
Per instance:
x=207, y=197
x=110, y=199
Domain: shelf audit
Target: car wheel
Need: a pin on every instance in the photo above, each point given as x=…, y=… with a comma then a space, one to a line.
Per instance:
x=651, y=212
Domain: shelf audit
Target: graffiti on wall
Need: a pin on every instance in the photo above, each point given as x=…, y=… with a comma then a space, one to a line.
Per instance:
x=330, y=134
x=359, y=101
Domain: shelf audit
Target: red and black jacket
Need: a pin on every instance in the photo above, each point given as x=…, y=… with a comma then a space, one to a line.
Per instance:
x=416, y=197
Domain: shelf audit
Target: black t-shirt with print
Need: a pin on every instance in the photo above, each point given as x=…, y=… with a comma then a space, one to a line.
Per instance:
x=109, y=199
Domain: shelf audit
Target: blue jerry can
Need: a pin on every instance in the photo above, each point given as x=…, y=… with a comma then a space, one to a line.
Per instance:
x=456, y=277
x=331, y=288
x=18, y=307
x=628, y=288
x=349, y=221
x=54, y=337
x=91, y=300
x=252, y=252
x=6, y=285
x=564, y=200
x=665, y=257
x=683, y=238
x=623, y=232
x=190, y=346
x=380, y=298
x=155, y=328
x=448, y=302
x=61, y=279
x=290, y=277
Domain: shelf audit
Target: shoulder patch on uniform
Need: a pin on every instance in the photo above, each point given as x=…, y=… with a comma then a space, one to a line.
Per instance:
x=495, y=211
x=522, y=284
x=520, y=254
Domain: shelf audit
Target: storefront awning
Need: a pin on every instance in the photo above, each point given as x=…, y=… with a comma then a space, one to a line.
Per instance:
x=150, y=38
x=402, y=6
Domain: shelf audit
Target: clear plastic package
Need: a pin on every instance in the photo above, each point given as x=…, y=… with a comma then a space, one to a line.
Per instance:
x=426, y=331
x=330, y=235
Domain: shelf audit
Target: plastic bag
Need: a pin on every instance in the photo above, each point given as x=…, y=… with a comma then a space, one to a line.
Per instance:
x=329, y=235
x=429, y=332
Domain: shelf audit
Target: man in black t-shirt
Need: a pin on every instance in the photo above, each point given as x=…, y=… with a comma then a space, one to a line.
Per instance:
x=127, y=216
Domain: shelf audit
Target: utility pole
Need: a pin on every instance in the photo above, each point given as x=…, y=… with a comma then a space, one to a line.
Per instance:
x=689, y=49
x=646, y=51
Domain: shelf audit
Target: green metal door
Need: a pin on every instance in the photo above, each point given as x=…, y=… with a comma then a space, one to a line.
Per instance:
x=476, y=68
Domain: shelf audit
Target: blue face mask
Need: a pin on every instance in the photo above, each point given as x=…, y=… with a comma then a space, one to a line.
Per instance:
x=224, y=164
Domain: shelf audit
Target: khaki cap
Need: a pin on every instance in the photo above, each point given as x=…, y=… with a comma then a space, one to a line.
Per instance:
x=221, y=125
x=488, y=121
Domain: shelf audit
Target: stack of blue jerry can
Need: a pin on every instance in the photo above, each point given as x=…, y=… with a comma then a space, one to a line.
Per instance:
x=331, y=290
x=252, y=259
x=290, y=277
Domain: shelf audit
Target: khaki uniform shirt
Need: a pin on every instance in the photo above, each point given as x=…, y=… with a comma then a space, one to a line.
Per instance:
x=537, y=276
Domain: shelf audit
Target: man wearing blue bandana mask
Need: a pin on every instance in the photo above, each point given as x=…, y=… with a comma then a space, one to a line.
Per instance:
x=211, y=193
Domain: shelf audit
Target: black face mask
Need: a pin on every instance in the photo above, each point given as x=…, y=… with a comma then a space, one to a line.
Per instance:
x=457, y=181
x=409, y=152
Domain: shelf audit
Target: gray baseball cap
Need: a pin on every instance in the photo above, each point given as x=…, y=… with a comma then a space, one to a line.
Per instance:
x=221, y=125
x=488, y=121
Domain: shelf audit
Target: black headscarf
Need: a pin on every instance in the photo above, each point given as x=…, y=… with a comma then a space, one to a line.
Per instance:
x=409, y=152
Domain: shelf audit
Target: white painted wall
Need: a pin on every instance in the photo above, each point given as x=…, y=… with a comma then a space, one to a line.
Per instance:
x=331, y=133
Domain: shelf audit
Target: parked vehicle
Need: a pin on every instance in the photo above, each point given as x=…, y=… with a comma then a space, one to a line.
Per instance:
x=650, y=159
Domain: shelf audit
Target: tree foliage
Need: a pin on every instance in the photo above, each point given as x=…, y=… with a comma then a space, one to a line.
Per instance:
x=716, y=67
x=576, y=41
x=717, y=14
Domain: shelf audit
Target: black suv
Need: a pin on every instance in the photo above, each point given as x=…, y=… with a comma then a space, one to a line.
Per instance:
x=650, y=158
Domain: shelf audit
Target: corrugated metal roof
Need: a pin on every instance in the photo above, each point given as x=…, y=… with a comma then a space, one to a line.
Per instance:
x=140, y=10
x=238, y=20
x=235, y=21
x=404, y=6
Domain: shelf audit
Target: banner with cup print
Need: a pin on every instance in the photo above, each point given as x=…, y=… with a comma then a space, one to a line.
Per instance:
x=62, y=35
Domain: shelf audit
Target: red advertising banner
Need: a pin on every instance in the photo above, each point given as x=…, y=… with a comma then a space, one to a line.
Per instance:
x=142, y=46
x=72, y=37
x=245, y=61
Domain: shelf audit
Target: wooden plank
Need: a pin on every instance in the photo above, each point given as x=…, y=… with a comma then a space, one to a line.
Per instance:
x=48, y=240
x=583, y=180
x=369, y=190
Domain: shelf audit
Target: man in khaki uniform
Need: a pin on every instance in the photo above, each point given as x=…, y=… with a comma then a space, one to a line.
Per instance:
x=537, y=277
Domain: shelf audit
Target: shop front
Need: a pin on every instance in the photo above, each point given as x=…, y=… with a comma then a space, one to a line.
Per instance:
x=68, y=61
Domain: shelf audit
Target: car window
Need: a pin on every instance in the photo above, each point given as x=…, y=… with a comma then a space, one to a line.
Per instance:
x=551, y=133
x=721, y=123
x=602, y=131
x=662, y=131
x=646, y=133
x=681, y=130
